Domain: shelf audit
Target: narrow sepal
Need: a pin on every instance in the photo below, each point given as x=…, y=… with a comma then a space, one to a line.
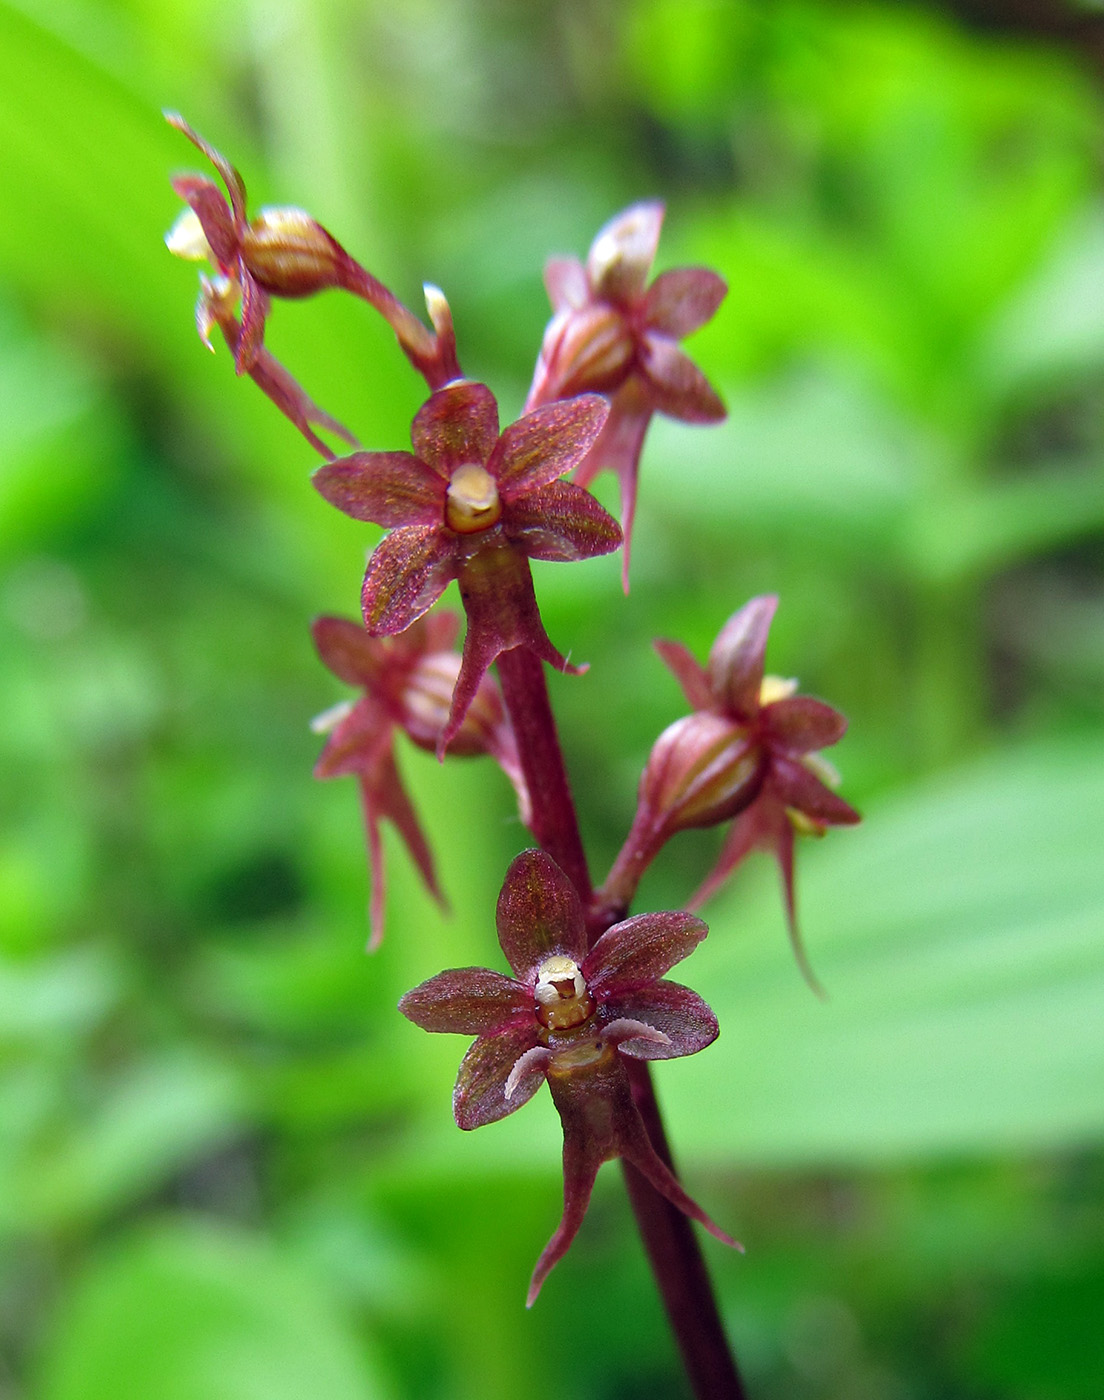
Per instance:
x=678, y=386
x=796, y=787
x=618, y=450
x=685, y=1020
x=207, y=202
x=687, y=670
x=580, y=1168
x=387, y=488
x=802, y=724
x=538, y=914
x=640, y=949
x=235, y=185
x=545, y=444
x=561, y=522
x=358, y=743
x=480, y=1093
x=746, y=833
x=408, y=571
x=384, y=789
x=682, y=299
x=255, y=307
x=467, y=1001
x=456, y=425
x=735, y=667
x=347, y=650
x=637, y=1148
x=565, y=281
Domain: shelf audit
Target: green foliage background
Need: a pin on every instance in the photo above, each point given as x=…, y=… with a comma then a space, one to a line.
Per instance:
x=227, y=1167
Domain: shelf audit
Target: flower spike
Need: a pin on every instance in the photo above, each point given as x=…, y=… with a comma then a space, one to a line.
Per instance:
x=612, y=334
x=569, y=1016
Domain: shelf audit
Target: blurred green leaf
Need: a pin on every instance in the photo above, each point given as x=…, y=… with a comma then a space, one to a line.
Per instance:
x=959, y=934
x=154, y=1120
x=195, y=1312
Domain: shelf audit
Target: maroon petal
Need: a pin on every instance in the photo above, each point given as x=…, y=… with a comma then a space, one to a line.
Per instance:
x=293, y=400
x=622, y=253
x=377, y=871
x=235, y=185
x=347, y=650
x=480, y=1093
x=468, y=1001
x=751, y=828
x=681, y=300
x=794, y=786
x=254, y=309
x=641, y=949
x=689, y=673
x=387, y=488
x=679, y=1013
x=678, y=386
x=209, y=205
x=455, y=425
x=802, y=724
x=544, y=445
x=358, y=743
x=407, y=573
x=538, y=914
x=384, y=793
x=581, y=1160
x=565, y=281
x=560, y=522
x=618, y=450
x=735, y=667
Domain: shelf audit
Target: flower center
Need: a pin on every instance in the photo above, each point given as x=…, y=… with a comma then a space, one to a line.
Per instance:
x=774, y=688
x=563, y=1000
x=472, y=502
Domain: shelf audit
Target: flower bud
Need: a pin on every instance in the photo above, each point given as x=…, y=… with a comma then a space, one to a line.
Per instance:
x=702, y=769
x=289, y=253
x=427, y=699
x=587, y=350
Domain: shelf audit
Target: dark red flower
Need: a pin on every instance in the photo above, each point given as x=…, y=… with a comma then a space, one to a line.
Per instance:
x=750, y=751
x=284, y=252
x=612, y=334
x=471, y=505
x=406, y=683
x=567, y=1016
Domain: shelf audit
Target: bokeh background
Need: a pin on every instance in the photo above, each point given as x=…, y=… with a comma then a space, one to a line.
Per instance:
x=227, y=1166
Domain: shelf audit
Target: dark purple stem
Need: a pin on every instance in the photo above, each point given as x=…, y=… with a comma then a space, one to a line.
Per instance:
x=669, y=1239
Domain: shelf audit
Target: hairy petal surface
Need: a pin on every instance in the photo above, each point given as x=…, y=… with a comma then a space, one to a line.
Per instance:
x=387, y=488
x=480, y=1093
x=640, y=949
x=681, y=300
x=407, y=573
x=468, y=1001
x=457, y=424
x=679, y=388
x=735, y=667
x=538, y=913
x=560, y=522
x=680, y=1014
x=546, y=443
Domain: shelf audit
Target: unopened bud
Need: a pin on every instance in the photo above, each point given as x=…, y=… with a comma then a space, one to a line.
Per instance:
x=588, y=350
x=289, y=253
x=703, y=769
x=427, y=699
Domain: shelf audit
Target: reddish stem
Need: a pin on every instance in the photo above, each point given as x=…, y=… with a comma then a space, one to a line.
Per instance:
x=669, y=1239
